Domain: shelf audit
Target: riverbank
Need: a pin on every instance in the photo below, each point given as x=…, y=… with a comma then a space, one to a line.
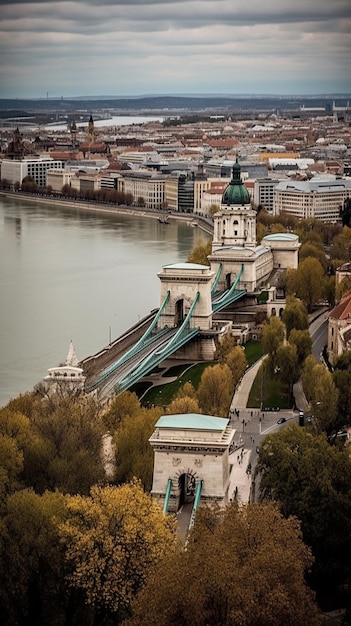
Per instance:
x=192, y=219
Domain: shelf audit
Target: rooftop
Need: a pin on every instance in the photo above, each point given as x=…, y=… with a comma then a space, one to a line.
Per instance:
x=192, y=421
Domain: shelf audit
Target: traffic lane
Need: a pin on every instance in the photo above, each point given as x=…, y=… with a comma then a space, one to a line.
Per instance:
x=319, y=339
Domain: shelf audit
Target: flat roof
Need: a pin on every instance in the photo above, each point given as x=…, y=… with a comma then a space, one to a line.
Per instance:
x=186, y=266
x=192, y=421
x=280, y=237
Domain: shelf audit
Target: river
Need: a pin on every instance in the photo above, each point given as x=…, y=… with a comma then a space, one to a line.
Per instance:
x=73, y=275
x=111, y=122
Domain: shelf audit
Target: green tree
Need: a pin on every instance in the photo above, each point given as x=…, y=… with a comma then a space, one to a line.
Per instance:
x=287, y=362
x=307, y=282
x=322, y=394
x=113, y=539
x=312, y=480
x=342, y=380
x=329, y=290
x=11, y=465
x=294, y=315
x=215, y=390
x=134, y=455
x=313, y=250
x=200, y=252
x=273, y=334
x=32, y=576
x=72, y=430
x=342, y=288
x=341, y=245
x=303, y=342
x=242, y=565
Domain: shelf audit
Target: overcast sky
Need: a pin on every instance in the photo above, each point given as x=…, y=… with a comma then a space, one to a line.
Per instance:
x=137, y=47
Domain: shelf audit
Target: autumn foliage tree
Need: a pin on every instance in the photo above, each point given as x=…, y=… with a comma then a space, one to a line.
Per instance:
x=215, y=390
x=113, y=539
x=200, y=252
x=242, y=565
x=133, y=453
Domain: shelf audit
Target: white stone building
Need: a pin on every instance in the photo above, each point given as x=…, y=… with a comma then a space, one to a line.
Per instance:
x=36, y=167
x=191, y=452
x=234, y=247
x=150, y=187
x=316, y=198
x=65, y=378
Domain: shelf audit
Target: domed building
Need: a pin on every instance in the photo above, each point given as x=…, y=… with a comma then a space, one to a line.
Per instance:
x=234, y=246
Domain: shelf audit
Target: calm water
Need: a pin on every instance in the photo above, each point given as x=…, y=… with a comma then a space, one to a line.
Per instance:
x=73, y=275
x=115, y=121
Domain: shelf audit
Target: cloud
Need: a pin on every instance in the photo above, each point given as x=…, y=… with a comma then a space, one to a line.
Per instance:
x=129, y=47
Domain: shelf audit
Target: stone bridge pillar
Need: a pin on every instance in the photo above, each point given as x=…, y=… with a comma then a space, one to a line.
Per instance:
x=183, y=281
x=189, y=448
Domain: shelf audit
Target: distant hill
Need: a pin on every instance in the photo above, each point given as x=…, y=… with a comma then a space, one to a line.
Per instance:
x=168, y=104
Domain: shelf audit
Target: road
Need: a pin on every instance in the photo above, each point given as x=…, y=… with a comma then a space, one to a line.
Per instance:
x=319, y=334
x=252, y=425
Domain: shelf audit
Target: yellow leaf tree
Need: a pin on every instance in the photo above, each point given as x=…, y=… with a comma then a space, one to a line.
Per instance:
x=112, y=540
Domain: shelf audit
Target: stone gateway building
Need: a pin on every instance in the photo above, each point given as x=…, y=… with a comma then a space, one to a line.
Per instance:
x=191, y=456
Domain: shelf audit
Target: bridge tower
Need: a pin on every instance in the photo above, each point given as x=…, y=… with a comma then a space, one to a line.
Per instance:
x=190, y=449
x=183, y=281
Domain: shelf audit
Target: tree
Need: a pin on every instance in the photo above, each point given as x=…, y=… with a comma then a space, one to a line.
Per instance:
x=185, y=404
x=244, y=565
x=72, y=430
x=261, y=231
x=287, y=362
x=11, y=465
x=273, y=334
x=186, y=391
x=225, y=345
x=294, y=315
x=302, y=340
x=312, y=480
x=113, y=538
x=307, y=282
x=341, y=245
x=322, y=394
x=329, y=289
x=313, y=250
x=342, y=381
x=215, y=390
x=237, y=363
x=200, y=252
x=32, y=583
x=126, y=404
x=134, y=455
x=342, y=288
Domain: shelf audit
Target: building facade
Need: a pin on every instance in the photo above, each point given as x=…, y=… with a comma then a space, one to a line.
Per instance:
x=314, y=199
x=37, y=168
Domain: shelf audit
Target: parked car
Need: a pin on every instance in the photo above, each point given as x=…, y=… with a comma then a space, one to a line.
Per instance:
x=281, y=420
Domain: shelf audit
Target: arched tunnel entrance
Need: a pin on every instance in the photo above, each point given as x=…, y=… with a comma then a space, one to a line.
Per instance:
x=179, y=312
x=186, y=485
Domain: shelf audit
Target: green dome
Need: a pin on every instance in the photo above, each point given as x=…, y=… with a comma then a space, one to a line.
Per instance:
x=236, y=192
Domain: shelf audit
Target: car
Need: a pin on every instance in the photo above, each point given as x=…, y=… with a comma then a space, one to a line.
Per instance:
x=281, y=420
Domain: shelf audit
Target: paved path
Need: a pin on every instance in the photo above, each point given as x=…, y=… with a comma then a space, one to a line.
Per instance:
x=252, y=425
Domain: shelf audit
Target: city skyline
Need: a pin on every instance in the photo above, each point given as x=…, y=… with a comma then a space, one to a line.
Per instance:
x=128, y=48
